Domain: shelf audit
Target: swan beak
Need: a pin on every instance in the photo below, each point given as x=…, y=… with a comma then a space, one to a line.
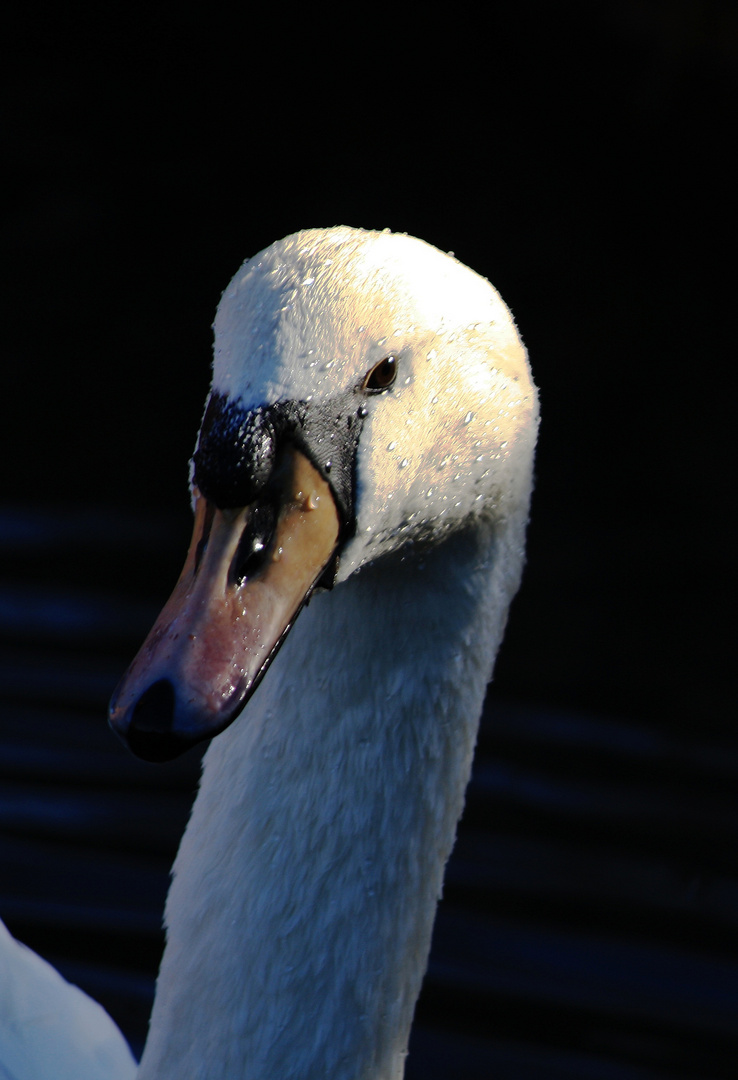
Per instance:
x=247, y=574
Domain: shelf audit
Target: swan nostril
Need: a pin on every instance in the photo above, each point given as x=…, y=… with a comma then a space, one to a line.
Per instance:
x=206, y=530
x=255, y=543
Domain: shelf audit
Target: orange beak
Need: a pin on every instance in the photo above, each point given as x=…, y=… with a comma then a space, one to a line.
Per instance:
x=247, y=574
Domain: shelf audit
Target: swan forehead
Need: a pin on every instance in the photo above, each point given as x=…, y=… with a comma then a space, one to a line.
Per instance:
x=309, y=317
x=312, y=313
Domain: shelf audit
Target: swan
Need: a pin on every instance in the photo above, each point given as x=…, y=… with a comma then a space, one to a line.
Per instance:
x=50, y=1028
x=360, y=487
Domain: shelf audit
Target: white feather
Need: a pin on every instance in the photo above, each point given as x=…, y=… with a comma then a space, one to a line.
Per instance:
x=49, y=1029
x=305, y=888
x=304, y=892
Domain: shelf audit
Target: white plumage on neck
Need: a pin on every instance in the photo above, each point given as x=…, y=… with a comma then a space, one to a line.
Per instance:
x=302, y=905
x=304, y=892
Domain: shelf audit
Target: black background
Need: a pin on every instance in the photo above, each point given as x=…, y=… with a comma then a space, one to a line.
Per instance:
x=576, y=154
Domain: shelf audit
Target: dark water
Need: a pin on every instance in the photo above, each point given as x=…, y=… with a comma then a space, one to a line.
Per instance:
x=588, y=926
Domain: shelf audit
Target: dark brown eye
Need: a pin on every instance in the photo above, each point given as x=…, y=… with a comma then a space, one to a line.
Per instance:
x=381, y=376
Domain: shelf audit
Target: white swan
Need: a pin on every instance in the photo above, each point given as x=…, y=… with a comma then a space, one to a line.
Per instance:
x=49, y=1029
x=371, y=427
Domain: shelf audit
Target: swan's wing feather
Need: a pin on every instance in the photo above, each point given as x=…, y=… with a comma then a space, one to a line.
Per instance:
x=50, y=1028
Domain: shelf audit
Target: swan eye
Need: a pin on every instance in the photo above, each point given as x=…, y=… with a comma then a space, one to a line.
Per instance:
x=381, y=376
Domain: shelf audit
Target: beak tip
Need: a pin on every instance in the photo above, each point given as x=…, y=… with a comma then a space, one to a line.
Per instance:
x=147, y=725
x=156, y=747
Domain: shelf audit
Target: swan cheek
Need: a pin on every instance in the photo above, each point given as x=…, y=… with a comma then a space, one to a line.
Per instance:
x=227, y=616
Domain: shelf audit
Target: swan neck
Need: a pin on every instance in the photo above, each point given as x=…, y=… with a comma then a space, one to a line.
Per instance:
x=304, y=892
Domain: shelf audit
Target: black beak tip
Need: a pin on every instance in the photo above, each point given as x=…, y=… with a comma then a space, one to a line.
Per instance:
x=155, y=747
x=147, y=727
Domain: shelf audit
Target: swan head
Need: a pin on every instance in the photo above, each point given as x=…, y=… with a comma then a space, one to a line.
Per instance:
x=370, y=394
